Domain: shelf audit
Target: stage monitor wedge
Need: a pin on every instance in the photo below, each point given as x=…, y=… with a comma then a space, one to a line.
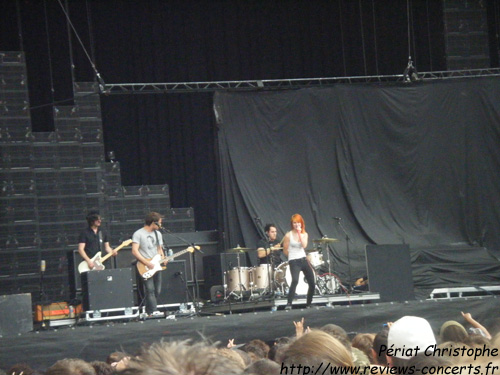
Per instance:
x=389, y=272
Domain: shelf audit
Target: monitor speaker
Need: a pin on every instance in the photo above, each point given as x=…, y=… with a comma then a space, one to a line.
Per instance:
x=107, y=289
x=15, y=314
x=173, y=284
x=389, y=272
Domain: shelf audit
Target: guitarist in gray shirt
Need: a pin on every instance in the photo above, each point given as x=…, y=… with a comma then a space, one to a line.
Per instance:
x=146, y=243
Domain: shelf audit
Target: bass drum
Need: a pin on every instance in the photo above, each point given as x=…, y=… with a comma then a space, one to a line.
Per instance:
x=283, y=277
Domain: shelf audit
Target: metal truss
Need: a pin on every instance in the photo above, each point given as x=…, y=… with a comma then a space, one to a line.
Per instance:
x=281, y=84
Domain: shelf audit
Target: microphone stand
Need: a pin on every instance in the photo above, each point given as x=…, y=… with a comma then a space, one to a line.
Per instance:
x=42, y=293
x=196, y=290
x=347, y=239
x=265, y=238
x=188, y=293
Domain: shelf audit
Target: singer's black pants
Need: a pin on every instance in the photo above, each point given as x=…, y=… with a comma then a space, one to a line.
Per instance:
x=297, y=265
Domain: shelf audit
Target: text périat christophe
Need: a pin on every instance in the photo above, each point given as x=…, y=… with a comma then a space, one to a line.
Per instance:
x=434, y=351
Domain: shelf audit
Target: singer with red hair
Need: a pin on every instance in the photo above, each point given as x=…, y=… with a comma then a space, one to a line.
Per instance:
x=294, y=245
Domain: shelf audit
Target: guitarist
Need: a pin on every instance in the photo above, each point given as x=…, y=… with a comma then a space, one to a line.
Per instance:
x=93, y=239
x=146, y=243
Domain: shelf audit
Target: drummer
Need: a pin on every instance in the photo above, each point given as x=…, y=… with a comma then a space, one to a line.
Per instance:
x=269, y=249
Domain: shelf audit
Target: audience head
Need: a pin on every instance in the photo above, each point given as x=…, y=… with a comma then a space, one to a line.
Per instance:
x=115, y=357
x=409, y=332
x=176, y=358
x=276, y=351
x=379, y=341
x=339, y=333
x=102, y=368
x=257, y=349
x=71, y=366
x=428, y=362
x=364, y=342
x=263, y=367
x=453, y=331
x=232, y=355
x=317, y=347
x=20, y=369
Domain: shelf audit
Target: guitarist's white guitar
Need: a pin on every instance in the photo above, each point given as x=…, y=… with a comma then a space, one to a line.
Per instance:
x=98, y=261
x=158, y=261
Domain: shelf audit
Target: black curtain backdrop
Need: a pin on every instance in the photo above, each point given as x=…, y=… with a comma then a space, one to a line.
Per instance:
x=172, y=138
x=415, y=164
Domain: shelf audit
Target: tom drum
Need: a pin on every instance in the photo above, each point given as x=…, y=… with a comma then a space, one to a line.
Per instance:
x=238, y=279
x=315, y=258
x=260, y=276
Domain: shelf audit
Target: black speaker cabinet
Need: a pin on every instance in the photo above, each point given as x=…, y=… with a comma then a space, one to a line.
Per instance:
x=173, y=283
x=75, y=280
x=389, y=272
x=215, y=265
x=107, y=289
x=125, y=259
x=15, y=314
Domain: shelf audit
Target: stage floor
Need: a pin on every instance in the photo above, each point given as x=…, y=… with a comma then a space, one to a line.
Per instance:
x=93, y=341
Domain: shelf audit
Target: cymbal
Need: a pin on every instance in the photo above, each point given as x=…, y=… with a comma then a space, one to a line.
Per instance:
x=239, y=249
x=325, y=240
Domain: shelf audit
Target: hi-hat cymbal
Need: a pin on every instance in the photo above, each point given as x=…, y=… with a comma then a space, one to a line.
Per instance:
x=325, y=240
x=239, y=249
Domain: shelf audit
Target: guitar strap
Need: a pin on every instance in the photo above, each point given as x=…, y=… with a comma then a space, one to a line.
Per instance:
x=100, y=241
x=157, y=240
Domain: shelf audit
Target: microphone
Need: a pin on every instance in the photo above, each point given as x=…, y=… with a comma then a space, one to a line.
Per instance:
x=337, y=218
x=42, y=266
x=257, y=219
x=178, y=273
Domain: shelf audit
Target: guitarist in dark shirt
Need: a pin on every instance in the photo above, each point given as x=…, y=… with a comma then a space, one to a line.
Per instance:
x=93, y=239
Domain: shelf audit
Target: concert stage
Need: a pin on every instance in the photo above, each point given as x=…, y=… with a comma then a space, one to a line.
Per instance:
x=93, y=341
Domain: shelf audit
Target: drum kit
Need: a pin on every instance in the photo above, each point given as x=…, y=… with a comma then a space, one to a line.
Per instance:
x=263, y=280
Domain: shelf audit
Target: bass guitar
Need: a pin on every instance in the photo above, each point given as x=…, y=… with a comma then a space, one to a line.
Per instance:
x=158, y=261
x=98, y=261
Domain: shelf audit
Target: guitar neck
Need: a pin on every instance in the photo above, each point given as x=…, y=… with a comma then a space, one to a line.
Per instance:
x=169, y=258
x=125, y=243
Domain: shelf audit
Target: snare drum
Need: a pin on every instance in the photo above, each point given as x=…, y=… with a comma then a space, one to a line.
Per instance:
x=315, y=258
x=260, y=276
x=283, y=277
x=233, y=279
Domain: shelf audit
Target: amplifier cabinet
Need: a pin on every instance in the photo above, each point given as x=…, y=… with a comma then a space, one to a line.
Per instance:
x=107, y=289
x=15, y=314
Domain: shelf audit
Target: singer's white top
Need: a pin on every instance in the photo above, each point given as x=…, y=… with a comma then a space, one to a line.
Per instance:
x=295, y=249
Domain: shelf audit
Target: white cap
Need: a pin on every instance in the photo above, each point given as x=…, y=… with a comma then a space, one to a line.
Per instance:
x=408, y=333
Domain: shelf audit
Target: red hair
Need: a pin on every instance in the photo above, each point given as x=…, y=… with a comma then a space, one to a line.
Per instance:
x=297, y=218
